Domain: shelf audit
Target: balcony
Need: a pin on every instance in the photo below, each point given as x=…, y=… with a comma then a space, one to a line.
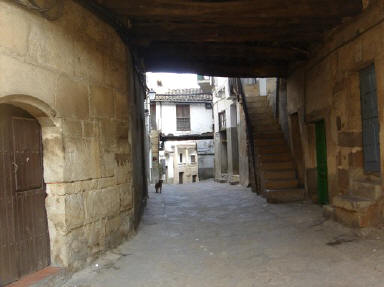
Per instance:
x=205, y=83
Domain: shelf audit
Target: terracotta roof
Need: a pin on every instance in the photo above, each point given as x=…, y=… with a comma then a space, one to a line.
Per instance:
x=184, y=96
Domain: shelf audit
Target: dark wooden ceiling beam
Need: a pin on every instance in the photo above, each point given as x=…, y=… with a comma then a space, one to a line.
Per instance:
x=238, y=38
x=230, y=69
x=262, y=8
x=240, y=51
x=241, y=22
x=233, y=35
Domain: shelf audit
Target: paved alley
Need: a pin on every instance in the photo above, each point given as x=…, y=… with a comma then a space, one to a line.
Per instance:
x=211, y=234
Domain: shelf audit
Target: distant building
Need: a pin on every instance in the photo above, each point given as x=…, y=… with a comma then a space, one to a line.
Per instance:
x=230, y=136
x=182, y=126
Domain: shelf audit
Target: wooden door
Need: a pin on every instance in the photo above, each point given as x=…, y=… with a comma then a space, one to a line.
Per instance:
x=24, y=238
x=321, y=157
x=181, y=177
x=370, y=121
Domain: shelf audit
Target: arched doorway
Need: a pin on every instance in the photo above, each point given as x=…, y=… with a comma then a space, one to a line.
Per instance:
x=24, y=237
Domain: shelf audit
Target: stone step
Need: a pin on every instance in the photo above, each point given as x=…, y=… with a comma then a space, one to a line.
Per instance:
x=355, y=211
x=234, y=179
x=256, y=99
x=268, y=135
x=279, y=174
x=264, y=122
x=261, y=117
x=366, y=189
x=259, y=111
x=262, y=125
x=269, y=142
x=280, y=183
x=352, y=203
x=266, y=166
x=266, y=129
x=257, y=106
x=281, y=148
x=275, y=157
x=284, y=195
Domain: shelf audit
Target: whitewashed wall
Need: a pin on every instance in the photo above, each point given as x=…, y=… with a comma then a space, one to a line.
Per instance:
x=201, y=119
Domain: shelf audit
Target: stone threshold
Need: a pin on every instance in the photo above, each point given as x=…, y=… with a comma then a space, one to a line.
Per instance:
x=49, y=276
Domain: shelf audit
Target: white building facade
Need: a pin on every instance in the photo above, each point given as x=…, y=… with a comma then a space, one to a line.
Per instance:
x=184, y=120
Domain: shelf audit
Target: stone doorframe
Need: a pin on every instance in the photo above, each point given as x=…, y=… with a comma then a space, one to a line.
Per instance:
x=53, y=161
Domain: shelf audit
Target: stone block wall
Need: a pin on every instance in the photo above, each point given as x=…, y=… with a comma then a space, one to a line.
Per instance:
x=327, y=87
x=75, y=75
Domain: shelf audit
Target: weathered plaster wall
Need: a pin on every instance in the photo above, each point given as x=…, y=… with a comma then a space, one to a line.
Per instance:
x=77, y=69
x=201, y=118
x=206, y=155
x=328, y=88
x=186, y=166
x=226, y=157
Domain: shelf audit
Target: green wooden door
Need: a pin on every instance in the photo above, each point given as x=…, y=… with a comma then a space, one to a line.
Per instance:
x=321, y=156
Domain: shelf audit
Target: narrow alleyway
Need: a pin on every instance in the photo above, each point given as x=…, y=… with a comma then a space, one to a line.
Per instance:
x=210, y=234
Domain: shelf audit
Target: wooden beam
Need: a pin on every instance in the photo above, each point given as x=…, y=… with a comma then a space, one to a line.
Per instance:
x=222, y=50
x=219, y=69
x=206, y=136
x=238, y=38
x=243, y=8
x=234, y=20
x=229, y=35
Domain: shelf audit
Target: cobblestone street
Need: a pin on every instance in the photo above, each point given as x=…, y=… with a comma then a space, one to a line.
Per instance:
x=210, y=234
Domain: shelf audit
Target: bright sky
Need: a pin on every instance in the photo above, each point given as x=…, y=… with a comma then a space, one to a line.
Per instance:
x=171, y=81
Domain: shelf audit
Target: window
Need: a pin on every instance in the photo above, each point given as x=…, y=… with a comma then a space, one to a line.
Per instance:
x=208, y=106
x=193, y=159
x=222, y=121
x=181, y=158
x=183, y=120
x=370, y=119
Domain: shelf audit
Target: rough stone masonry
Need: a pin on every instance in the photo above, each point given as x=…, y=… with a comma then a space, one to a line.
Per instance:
x=75, y=76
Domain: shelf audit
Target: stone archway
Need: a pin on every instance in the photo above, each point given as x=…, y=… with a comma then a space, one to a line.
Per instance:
x=53, y=163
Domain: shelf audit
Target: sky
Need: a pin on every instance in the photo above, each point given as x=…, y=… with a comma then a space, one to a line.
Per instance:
x=171, y=81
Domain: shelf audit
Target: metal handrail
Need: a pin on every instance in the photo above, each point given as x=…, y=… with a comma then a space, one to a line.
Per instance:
x=249, y=133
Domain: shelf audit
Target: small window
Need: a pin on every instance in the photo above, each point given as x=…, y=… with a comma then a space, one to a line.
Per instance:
x=183, y=120
x=208, y=106
x=181, y=158
x=193, y=159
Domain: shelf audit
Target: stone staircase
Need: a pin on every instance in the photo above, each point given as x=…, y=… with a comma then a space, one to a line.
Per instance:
x=276, y=172
x=361, y=206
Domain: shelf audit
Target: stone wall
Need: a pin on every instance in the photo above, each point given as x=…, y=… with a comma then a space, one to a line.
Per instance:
x=243, y=147
x=75, y=75
x=327, y=87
